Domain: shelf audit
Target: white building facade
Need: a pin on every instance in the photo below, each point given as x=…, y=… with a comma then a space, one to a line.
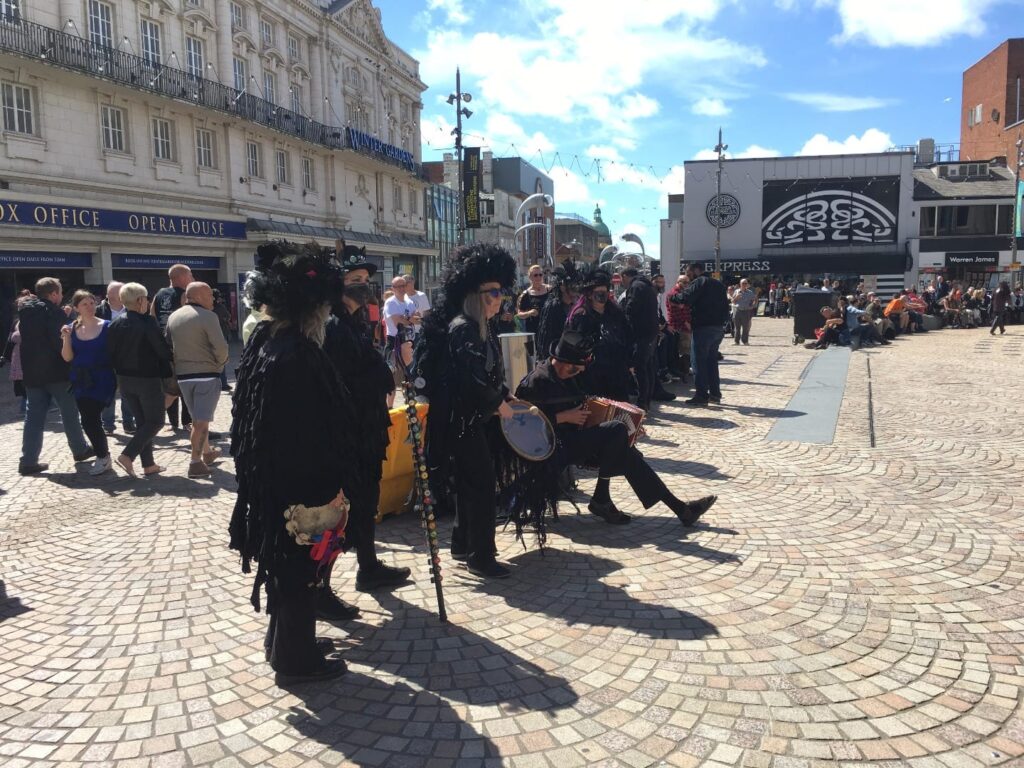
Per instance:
x=140, y=134
x=845, y=217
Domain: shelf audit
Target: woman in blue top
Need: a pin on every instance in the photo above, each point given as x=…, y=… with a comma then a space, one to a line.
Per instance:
x=92, y=377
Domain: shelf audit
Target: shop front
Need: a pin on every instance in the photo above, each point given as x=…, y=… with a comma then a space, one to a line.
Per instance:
x=20, y=270
x=151, y=271
x=847, y=269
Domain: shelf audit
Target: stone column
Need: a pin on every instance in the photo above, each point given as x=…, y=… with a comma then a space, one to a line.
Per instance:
x=225, y=49
x=317, y=108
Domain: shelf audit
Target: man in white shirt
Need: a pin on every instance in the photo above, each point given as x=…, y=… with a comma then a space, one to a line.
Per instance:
x=419, y=298
x=400, y=315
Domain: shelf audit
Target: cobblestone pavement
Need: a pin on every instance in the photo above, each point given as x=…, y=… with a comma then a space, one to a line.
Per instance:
x=842, y=604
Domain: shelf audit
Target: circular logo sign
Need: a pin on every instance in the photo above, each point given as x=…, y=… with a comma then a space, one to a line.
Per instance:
x=723, y=210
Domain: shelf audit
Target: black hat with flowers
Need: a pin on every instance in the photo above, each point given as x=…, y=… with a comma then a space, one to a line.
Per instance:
x=293, y=279
x=352, y=258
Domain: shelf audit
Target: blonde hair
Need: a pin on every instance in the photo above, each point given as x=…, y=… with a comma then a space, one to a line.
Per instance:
x=473, y=308
x=537, y=267
x=131, y=293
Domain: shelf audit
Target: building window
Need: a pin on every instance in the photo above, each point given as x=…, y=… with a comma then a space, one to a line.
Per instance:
x=194, y=56
x=928, y=221
x=308, y=178
x=237, y=16
x=10, y=10
x=112, y=122
x=252, y=157
x=281, y=161
x=414, y=205
x=239, y=70
x=151, y=41
x=293, y=48
x=296, y=99
x=396, y=194
x=267, y=32
x=270, y=87
x=17, y=108
x=204, y=148
x=163, y=145
x=101, y=26
x=1004, y=219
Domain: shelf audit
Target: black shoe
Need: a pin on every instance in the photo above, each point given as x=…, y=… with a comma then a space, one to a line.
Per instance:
x=226, y=388
x=663, y=396
x=488, y=570
x=608, y=512
x=380, y=575
x=32, y=469
x=697, y=400
x=458, y=556
x=89, y=453
x=129, y=430
x=715, y=398
x=330, y=607
x=329, y=669
x=692, y=510
x=721, y=356
x=216, y=435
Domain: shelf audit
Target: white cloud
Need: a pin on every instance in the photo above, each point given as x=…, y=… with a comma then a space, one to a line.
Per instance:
x=569, y=187
x=872, y=140
x=454, y=11
x=501, y=132
x=573, y=68
x=889, y=23
x=834, y=102
x=754, y=150
x=436, y=133
x=710, y=107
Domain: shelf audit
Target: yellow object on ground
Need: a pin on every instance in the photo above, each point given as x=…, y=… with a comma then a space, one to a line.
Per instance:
x=399, y=473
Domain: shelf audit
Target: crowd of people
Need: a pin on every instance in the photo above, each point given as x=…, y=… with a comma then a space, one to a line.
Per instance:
x=156, y=359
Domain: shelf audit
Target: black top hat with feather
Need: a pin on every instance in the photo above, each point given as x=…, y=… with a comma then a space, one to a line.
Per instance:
x=566, y=274
x=352, y=257
x=592, y=276
x=293, y=279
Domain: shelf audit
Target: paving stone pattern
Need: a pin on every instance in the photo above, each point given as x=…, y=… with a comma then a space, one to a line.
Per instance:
x=842, y=604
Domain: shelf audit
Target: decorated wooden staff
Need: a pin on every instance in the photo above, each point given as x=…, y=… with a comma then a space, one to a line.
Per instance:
x=424, y=500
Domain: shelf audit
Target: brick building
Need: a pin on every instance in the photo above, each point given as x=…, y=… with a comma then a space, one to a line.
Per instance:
x=993, y=104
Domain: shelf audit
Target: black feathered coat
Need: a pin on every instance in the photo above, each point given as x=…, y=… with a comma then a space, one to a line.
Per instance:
x=608, y=375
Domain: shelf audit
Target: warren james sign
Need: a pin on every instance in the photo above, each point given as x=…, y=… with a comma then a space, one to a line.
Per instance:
x=87, y=218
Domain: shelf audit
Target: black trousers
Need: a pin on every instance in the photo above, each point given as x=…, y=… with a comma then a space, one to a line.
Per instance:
x=145, y=398
x=172, y=413
x=646, y=370
x=291, y=604
x=475, y=497
x=362, y=525
x=998, y=321
x=90, y=411
x=606, y=447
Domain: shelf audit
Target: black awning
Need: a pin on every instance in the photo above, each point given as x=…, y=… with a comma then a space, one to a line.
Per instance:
x=330, y=234
x=885, y=263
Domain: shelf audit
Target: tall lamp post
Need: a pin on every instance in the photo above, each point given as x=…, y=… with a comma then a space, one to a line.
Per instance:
x=720, y=149
x=457, y=98
x=1016, y=201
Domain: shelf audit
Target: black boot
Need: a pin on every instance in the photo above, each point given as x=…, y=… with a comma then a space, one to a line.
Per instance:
x=380, y=575
x=689, y=512
x=608, y=512
x=330, y=607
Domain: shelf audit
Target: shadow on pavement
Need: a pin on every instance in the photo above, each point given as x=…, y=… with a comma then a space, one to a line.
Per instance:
x=567, y=586
x=752, y=410
x=754, y=383
x=452, y=661
x=373, y=722
x=666, y=534
x=10, y=606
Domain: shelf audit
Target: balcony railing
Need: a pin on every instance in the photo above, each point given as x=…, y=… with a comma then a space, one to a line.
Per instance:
x=75, y=53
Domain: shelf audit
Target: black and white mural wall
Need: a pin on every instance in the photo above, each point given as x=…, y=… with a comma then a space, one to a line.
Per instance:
x=830, y=212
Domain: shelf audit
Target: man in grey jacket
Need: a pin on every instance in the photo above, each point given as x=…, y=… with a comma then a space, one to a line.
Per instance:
x=200, y=354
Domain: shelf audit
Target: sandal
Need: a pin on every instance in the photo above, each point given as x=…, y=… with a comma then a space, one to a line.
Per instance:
x=126, y=464
x=156, y=469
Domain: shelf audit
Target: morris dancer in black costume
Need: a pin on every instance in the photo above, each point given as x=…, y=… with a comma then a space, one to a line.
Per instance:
x=603, y=324
x=553, y=387
x=295, y=451
x=565, y=290
x=349, y=344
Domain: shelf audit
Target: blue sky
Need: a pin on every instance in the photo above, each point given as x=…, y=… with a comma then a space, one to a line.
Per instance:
x=640, y=87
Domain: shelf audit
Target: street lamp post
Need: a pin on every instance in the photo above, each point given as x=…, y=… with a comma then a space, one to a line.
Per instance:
x=536, y=200
x=457, y=98
x=720, y=149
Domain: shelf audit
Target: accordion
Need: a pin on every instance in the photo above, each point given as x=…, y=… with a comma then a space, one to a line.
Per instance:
x=602, y=410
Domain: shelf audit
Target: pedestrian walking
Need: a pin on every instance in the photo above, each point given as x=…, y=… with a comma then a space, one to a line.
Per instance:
x=110, y=309
x=12, y=354
x=47, y=376
x=165, y=303
x=200, y=354
x=1001, y=300
x=709, y=312
x=84, y=345
x=141, y=359
x=744, y=304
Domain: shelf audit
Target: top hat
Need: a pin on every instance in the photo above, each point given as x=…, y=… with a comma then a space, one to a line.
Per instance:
x=352, y=258
x=573, y=348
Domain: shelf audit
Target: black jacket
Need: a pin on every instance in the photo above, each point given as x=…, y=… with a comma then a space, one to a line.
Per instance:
x=640, y=303
x=349, y=344
x=138, y=348
x=40, y=322
x=608, y=375
x=708, y=302
x=543, y=388
x=551, y=323
x=478, y=375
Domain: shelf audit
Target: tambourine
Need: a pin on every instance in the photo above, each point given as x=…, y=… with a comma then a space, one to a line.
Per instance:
x=529, y=432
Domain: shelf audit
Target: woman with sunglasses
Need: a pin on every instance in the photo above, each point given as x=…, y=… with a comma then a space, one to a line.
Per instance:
x=603, y=324
x=465, y=381
x=529, y=305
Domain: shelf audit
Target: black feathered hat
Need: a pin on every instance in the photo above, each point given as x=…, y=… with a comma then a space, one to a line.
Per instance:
x=470, y=267
x=593, y=276
x=573, y=348
x=353, y=258
x=292, y=279
x=566, y=274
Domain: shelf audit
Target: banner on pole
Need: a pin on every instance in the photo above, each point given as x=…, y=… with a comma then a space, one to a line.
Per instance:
x=472, y=180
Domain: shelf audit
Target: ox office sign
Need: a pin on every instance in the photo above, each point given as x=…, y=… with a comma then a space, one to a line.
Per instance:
x=92, y=219
x=826, y=212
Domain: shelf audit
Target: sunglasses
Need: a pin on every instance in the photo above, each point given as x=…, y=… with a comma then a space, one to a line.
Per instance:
x=600, y=294
x=536, y=274
x=494, y=293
